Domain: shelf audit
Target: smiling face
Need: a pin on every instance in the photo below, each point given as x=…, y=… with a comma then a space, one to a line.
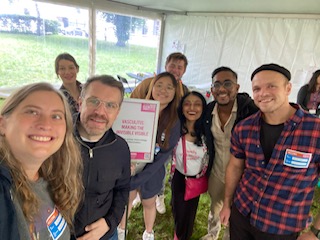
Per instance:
x=176, y=67
x=36, y=128
x=270, y=92
x=67, y=71
x=97, y=119
x=163, y=91
x=192, y=108
x=227, y=92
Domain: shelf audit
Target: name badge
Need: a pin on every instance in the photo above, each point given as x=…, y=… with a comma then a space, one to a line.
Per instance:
x=297, y=159
x=56, y=224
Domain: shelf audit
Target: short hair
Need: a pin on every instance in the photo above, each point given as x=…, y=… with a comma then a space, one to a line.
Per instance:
x=272, y=67
x=107, y=80
x=177, y=56
x=64, y=56
x=224, y=69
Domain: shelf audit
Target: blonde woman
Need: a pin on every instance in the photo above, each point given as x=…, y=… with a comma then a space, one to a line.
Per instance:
x=40, y=165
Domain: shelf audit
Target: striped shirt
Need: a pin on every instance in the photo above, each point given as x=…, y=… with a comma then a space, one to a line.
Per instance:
x=277, y=197
x=73, y=103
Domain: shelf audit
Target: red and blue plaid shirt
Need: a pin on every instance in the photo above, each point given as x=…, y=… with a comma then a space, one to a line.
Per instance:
x=276, y=196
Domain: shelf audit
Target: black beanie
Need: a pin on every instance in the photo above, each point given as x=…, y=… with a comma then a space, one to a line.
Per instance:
x=272, y=67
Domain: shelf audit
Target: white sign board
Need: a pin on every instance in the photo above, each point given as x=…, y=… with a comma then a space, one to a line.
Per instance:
x=137, y=123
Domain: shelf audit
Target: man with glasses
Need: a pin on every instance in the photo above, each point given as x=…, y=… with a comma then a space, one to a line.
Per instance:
x=227, y=109
x=106, y=160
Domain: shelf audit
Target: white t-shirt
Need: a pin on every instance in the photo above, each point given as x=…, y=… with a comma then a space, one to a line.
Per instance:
x=194, y=158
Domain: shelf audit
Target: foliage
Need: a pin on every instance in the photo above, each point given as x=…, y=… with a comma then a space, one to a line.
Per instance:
x=31, y=58
x=124, y=24
x=27, y=24
x=51, y=26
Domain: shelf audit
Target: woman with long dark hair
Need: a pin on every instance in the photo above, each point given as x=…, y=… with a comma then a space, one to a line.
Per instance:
x=191, y=158
x=309, y=94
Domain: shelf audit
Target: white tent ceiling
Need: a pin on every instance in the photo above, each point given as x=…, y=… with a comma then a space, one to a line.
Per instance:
x=241, y=34
x=230, y=6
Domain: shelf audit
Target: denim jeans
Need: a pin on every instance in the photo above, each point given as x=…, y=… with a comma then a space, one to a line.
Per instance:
x=114, y=235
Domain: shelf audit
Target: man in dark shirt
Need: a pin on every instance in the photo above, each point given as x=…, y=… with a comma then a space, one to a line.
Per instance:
x=274, y=164
x=106, y=159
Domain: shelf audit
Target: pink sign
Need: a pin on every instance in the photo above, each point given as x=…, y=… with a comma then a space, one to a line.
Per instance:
x=137, y=123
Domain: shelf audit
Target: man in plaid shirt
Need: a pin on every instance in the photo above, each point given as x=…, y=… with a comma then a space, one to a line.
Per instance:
x=274, y=165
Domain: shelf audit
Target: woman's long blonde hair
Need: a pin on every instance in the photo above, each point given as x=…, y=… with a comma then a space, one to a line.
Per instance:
x=62, y=170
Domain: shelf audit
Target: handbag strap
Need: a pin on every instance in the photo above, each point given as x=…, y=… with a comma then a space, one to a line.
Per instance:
x=184, y=154
x=205, y=158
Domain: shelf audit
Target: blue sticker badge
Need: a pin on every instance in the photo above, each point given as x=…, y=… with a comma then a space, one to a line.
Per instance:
x=56, y=224
x=297, y=159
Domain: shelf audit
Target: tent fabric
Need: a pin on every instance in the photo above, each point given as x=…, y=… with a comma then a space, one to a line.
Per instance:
x=238, y=40
x=229, y=6
x=243, y=43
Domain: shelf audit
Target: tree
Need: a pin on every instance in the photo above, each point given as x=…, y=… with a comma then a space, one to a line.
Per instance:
x=39, y=22
x=123, y=24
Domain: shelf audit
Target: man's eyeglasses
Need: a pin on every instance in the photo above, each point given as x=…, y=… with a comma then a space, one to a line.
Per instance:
x=96, y=102
x=226, y=84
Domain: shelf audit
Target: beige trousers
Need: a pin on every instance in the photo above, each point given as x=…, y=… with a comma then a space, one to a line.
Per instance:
x=216, y=192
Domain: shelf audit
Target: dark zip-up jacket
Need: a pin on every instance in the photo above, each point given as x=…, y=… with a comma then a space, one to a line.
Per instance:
x=106, y=177
x=246, y=107
x=8, y=218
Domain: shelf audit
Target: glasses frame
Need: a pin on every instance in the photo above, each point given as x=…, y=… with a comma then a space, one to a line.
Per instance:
x=223, y=84
x=110, y=107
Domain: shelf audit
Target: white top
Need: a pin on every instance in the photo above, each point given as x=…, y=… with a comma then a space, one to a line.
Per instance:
x=194, y=158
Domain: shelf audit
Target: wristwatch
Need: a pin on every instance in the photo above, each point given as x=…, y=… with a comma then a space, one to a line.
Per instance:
x=315, y=231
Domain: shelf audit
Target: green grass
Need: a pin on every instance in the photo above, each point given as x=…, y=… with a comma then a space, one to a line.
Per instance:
x=164, y=226
x=28, y=58
x=164, y=223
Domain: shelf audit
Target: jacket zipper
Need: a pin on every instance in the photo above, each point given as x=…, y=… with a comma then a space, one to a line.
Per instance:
x=91, y=157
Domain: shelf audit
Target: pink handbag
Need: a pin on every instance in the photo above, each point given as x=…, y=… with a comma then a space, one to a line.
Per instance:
x=194, y=185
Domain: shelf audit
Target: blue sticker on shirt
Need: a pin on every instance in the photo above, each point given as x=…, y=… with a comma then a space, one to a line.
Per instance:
x=297, y=159
x=56, y=224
